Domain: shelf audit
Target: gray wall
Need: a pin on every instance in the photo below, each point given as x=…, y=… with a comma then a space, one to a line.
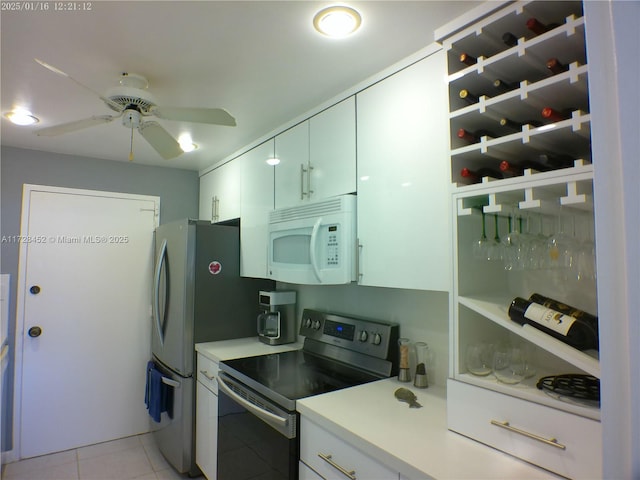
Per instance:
x=178, y=191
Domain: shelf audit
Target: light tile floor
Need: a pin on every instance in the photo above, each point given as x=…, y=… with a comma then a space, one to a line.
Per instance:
x=128, y=458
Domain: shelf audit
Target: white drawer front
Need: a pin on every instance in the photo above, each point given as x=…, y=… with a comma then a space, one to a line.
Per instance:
x=208, y=373
x=333, y=458
x=471, y=411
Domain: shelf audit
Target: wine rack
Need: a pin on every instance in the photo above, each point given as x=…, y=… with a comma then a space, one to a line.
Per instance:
x=545, y=201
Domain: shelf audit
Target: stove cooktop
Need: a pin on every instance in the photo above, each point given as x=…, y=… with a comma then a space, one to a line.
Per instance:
x=336, y=355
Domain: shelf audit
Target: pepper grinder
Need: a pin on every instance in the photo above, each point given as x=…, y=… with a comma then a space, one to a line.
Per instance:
x=422, y=356
x=404, y=374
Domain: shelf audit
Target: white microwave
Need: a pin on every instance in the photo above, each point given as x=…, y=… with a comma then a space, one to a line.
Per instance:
x=314, y=243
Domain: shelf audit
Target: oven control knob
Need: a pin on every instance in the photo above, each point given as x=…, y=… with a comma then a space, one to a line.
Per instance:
x=307, y=323
x=316, y=325
x=363, y=336
x=377, y=339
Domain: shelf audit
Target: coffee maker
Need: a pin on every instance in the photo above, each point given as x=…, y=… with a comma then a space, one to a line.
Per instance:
x=277, y=324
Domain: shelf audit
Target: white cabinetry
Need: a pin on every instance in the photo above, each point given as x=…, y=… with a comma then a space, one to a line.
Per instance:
x=403, y=176
x=220, y=193
x=333, y=458
x=547, y=215
x=317, y=157
x=207, y=416
x=257, y=186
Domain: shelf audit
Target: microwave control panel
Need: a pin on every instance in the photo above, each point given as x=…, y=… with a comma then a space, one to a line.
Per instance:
x=331, y=242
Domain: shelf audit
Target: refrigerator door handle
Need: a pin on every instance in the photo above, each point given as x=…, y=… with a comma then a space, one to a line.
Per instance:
x=156, y=289
x=171, y=383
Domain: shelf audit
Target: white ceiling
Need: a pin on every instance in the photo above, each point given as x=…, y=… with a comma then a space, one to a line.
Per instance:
x=260, y=60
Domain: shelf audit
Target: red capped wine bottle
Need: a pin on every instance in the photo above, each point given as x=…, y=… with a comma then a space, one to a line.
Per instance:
x=557, y=324
x=474, y=137
x=555, y=115
x=555, y=66
x=510, y=169
x=468, y=59
x=561, y=307
x=538, y=27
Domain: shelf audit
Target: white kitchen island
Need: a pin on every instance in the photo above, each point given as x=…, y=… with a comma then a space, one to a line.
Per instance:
x=414, y=442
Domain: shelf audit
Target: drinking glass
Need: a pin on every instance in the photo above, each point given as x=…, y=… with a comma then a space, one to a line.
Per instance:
x=511, y=243
x=478, y=358
x=494, y=251
x=509, y=364
x=481, y=245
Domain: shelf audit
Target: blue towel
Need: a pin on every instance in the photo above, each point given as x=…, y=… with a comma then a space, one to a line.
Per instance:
x=157, y=395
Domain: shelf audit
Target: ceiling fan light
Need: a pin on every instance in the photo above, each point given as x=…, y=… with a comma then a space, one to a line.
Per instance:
x=22, y=117
x=273, y=161
x=337, y=21
x=186, y=143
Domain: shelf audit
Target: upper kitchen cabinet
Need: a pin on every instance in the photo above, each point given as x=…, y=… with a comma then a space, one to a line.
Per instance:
x=257, y=187
x=403, y=186
x=317, y=157
x=220, y=193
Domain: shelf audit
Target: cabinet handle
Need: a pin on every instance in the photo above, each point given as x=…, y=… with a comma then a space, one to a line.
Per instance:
x=206, y=374
x=309, y=191
x=549, y=441
x=351, y=474
x=358, y=255
x=215, y=207
x=302, y=172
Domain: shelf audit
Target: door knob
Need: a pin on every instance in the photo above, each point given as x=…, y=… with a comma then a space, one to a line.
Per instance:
x=35, y=332
x=35, y=289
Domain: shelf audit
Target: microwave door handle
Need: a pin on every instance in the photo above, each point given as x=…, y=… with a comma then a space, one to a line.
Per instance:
x=156, y=289
x=313, y=249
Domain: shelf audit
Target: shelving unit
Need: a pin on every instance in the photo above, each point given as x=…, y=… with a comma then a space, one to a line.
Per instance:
x=533, y=203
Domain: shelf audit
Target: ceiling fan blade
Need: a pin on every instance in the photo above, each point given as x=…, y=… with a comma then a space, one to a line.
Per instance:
x=74, y=126
x=160, y=140
x=57, y=71
x=215, y=116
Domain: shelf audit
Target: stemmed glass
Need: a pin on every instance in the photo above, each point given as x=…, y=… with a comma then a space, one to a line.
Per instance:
x=481, y=245
x=495, y=246
x=560, y=245
x=511, y=243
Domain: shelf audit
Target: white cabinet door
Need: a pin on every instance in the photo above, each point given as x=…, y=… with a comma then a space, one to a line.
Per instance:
x=332, y=147
x=257, y=186
x=292, y=149
x=220, y=193
x=317, y=157
x=206, y=430
x=403, y=204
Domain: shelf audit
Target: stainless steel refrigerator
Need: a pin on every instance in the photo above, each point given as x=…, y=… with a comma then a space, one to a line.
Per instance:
x=198, y=296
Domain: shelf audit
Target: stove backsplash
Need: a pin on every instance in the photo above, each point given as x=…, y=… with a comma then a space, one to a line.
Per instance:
x=422, y=315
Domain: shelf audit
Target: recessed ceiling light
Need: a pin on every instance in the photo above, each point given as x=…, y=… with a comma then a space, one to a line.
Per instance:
x=22, y=117
x=337, y=21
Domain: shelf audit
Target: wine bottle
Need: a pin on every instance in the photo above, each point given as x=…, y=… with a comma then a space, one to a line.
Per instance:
x=468, y=59
x=475, y=176
x=549, y=113
x=509, y=39
x=555, y=66
x=469, y=97
x=561, y=326
x=510, y=169
x=555, y=161
x=590, y=320
x=474, y=137
x=504, y=87
x=538, y=27
x=505, y=122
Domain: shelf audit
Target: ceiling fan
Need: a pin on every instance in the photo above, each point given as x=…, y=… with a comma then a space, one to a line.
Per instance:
x=132, y=102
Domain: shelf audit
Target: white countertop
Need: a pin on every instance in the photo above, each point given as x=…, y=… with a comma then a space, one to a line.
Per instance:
x=241, y=347
x=413, y=441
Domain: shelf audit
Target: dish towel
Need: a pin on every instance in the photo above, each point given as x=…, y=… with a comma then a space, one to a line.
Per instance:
x=157, y=394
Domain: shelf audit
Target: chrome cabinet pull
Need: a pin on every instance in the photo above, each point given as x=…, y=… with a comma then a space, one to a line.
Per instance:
x=215, y=209
x=359, y=273
x=302, y=172
x=549, y=441
x=206, y=374
x=309, y=191
x=351, y=474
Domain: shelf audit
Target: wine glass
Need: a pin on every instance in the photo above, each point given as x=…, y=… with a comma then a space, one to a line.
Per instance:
x=509, y=364
x=560, y=244
x=511, y=243
x=481, y=245
x=494, y=251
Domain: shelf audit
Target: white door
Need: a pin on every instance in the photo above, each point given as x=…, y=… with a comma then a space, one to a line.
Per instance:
x=84, y=317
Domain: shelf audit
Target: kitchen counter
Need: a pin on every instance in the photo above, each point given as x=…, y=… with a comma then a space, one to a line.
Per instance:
x=413, y=441
x=241, y=347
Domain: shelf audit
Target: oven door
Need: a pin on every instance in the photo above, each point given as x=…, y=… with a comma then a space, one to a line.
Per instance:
x=256, y=438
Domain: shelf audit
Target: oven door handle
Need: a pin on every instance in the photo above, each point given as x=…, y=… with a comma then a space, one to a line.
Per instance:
x=257, y=411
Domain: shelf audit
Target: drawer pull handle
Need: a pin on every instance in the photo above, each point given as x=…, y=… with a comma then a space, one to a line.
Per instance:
x=349, y=474
x=549, y=441
x=206, y=374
